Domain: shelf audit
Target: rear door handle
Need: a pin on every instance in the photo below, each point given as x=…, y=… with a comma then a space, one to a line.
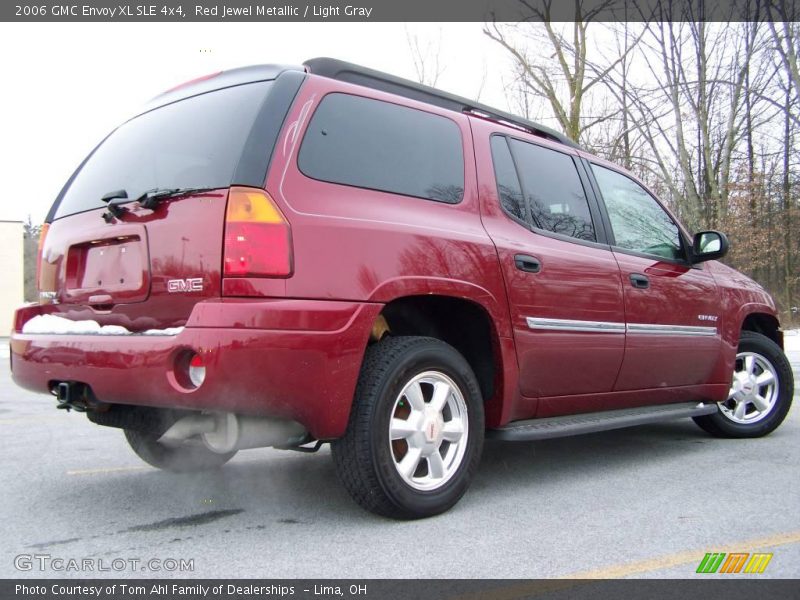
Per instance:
x=529, y=264
x=640, y=281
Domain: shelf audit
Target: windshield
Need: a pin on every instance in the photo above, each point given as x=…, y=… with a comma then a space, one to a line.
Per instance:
x=193, y=143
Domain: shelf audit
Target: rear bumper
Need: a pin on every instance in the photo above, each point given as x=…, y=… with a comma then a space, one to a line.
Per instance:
x=295, y=359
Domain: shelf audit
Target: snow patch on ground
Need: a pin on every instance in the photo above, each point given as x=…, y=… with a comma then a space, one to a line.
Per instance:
x=791, y=340
x=55, y=325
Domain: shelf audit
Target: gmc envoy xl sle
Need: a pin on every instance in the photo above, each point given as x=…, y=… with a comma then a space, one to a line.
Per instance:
x=286, y=256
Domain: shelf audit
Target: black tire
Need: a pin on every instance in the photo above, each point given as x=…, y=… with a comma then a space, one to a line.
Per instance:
x=182, y=459
x=364, y=458
x=721, y=425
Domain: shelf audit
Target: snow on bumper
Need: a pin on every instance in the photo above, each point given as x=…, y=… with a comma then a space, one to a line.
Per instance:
x=296, y=359
x=55, y=325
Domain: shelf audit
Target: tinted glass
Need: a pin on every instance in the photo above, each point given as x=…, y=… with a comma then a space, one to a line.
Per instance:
x=195, y=142
x=507, y=181
x=637, y=220
x=553, y=191
x=381, y=146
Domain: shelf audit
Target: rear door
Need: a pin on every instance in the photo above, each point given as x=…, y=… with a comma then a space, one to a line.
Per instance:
x=672, y=308
x=563, y=283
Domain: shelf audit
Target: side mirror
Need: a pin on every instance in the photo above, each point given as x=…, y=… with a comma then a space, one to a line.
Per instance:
x=709, y=245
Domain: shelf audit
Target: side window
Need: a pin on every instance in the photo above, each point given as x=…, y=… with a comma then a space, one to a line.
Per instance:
x=381, y=146
x=553, y=190
x=637, y=220
x=507, y=181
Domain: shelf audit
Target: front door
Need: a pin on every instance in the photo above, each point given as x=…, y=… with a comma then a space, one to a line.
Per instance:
x=672, y=308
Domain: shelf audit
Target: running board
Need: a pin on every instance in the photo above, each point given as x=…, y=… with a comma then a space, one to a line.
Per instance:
x=555, y=427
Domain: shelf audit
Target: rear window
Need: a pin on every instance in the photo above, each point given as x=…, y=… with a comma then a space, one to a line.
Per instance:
x=381, y=146
x=196, y=142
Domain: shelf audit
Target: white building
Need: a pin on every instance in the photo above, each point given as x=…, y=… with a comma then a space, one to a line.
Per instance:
x=12, y=288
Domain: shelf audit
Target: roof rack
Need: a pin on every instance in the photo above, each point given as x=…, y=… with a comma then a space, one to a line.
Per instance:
x=345, y=71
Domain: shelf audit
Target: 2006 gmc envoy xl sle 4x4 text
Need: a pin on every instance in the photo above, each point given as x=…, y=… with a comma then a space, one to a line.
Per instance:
x=286, y=256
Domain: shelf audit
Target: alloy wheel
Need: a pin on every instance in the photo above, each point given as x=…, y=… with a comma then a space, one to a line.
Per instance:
x=754, y=389
x=428, y=430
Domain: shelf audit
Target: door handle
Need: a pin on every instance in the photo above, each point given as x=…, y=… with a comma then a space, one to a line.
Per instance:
x=640, y=281
x=529, y=264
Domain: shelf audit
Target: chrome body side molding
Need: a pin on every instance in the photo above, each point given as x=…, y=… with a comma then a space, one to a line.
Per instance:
x=539, y=323
x=570, y=325
x=646, y=328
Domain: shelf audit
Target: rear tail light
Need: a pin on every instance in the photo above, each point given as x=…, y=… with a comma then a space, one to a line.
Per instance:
x=258, y=241
x=42, y=235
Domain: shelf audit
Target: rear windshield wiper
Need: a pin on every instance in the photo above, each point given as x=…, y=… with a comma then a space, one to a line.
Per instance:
x=148, y=199
x=151, y=198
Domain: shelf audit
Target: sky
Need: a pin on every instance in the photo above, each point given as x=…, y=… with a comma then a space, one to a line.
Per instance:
x=66, y=85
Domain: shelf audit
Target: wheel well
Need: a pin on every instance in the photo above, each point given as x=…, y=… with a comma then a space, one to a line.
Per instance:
x=461, y=323
x=764, y=324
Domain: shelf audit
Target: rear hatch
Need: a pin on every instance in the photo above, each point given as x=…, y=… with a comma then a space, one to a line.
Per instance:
x=144, y=256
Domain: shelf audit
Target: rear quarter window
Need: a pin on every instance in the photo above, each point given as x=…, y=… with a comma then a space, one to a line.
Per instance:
x=372, y=144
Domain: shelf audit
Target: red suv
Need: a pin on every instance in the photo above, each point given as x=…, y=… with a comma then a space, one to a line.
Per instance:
x=286, y=256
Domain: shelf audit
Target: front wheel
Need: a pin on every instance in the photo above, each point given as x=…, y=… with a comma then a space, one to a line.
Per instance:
x=761, y=391
x=416, y=429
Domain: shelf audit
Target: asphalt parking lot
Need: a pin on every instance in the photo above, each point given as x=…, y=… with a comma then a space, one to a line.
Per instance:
x=642, y=502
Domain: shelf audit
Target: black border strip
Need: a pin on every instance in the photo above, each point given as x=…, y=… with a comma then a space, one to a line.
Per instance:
x=709, y=587
x=405, y=11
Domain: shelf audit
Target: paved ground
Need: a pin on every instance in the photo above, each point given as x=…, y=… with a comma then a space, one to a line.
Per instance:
x=643, y=502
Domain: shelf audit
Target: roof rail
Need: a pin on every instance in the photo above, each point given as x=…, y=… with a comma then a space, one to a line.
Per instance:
x=345, y=71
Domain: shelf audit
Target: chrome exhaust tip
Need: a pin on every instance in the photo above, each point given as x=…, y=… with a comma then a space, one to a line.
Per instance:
x=228, y=432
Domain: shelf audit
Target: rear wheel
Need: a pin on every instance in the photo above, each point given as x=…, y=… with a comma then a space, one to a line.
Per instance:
x=416, y=429
x=180, y=459
x=761, y=391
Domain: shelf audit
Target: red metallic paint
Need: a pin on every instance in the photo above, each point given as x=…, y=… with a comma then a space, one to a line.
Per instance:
x=287, y=369
x=366, y=245
x=677, y=295
x=179, y=239
x=576, y=282
x=740, y=297
x=293, y=347
x=553, y=407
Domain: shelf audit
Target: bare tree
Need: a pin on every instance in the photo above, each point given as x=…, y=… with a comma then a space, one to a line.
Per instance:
x=786, y=35
x=482, y=84
x=789, y=208
x=521, y=100
x=786, y=39
x=551, y=61
x=30, y=237
x=426, y=58
x=691, y=108
x=708, y=113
